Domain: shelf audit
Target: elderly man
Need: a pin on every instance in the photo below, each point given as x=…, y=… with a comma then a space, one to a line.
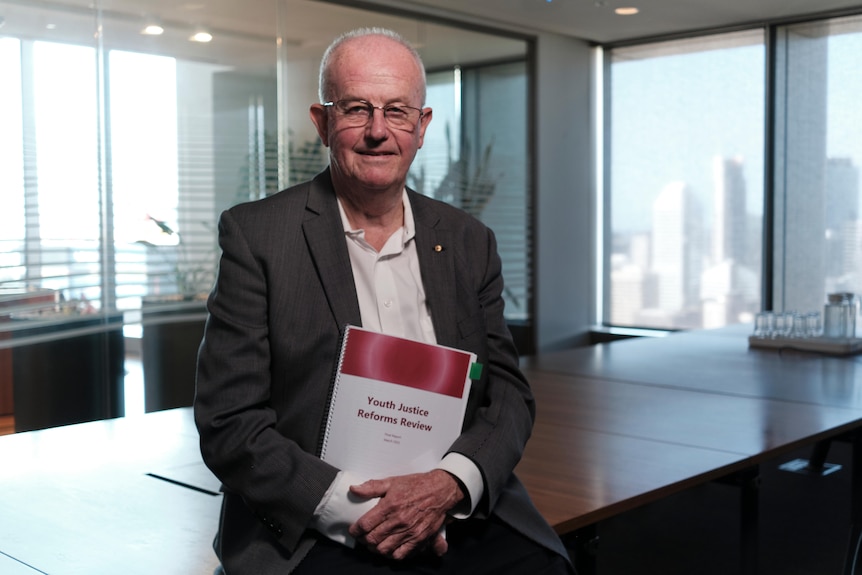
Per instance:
x=355, y=246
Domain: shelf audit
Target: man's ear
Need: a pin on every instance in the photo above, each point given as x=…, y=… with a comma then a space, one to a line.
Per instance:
x=320, y=119
x=423, y=124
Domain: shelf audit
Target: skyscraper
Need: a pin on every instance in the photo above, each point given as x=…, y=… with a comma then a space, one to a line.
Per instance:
x=678, y=249
x=843, y=248
x=729, y=286
x=800, y=171
x=729, y=214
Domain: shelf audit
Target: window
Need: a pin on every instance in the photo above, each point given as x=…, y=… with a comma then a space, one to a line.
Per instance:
x=690, y=243
x=11, y=163
x=442, y=146
x=818, y=146
x=135, y=144
x=143, y=112
x=119, y=150
x=686, y=182
x=496, y=154
x=50, y=170
x=476, y=157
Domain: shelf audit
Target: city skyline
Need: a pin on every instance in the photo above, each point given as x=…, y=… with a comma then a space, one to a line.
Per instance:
x=689, y=273
x=675, y=108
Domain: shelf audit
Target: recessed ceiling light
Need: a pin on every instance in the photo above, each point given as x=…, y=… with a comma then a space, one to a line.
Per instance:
x=51, y=26
x=201, y=36
x=626, y=11
x=153, y=30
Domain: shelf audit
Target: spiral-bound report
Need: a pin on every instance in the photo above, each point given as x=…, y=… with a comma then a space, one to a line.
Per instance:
x=396, y=405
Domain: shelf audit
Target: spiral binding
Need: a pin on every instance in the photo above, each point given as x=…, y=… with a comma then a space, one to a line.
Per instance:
x=331, y=393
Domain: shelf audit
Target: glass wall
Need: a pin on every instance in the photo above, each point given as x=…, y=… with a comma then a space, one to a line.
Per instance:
x=690, y=242
x=686, y=182
x=818, y=151
x=476, y=157
x=117, y=120
x=128, y=126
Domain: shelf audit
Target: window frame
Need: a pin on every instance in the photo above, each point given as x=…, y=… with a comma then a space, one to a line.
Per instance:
x=770, y=288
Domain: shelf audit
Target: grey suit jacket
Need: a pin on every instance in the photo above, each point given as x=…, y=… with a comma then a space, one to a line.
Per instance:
x=284, y=292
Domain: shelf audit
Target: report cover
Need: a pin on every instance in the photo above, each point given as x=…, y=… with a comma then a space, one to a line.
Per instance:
x=396, y=404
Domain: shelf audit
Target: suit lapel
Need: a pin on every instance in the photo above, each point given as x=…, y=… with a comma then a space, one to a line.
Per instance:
x=324, y=235
x=434, y=245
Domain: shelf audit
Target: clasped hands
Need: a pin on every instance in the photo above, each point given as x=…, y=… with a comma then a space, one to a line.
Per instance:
x=408, y=517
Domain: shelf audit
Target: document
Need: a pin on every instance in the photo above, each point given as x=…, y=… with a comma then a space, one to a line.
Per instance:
x=396, y=405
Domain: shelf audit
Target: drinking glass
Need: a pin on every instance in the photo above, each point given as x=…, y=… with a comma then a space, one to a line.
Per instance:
x=762, y=327
x=799, y=329
x=813, y=325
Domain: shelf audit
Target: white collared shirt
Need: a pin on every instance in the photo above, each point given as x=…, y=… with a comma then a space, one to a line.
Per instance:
x=391, y=300
x=388, y=283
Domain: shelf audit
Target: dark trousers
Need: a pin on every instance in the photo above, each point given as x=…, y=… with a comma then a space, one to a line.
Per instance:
x=476, y=547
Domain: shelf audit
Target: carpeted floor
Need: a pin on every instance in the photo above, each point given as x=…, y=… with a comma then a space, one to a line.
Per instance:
x=803, y=527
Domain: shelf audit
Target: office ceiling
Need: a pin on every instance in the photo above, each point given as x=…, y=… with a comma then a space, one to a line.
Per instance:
x=245, y=31
x=595, y=20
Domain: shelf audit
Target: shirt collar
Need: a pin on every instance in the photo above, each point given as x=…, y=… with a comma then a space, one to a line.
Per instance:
x=409, y=224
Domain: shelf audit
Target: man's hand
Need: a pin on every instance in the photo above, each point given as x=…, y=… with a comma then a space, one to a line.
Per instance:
x=408, y=517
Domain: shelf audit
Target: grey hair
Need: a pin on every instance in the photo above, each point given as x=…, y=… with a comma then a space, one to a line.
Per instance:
x=324, y=82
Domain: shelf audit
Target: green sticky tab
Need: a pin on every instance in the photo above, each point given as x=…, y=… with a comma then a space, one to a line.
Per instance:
x=476, y=371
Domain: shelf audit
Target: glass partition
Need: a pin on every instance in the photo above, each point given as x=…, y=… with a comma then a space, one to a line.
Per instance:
x=129, y=125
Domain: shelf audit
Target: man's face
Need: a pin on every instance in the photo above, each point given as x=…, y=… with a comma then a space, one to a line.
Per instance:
x=373, y=156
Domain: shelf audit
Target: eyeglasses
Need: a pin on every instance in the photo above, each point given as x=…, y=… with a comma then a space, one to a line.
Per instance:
x=356, y=113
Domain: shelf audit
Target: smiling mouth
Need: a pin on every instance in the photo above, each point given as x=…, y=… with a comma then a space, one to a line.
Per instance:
x=376, y=155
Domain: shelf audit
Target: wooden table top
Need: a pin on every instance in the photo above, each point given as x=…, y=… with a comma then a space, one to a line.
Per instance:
x=618, y=425
x=577, y=477
x=79, y=500
x=744, y=425
x=715, y=362
x=629, y=422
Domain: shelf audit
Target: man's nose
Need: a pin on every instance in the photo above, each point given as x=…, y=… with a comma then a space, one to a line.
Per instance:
x=377, y=127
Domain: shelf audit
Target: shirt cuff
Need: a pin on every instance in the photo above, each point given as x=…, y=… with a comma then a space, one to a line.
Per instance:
x=339, y=509
x=470, y=477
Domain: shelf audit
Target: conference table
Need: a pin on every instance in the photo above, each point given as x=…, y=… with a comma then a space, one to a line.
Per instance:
x=655, y=416
x=719, y=362
x=619, y=425
x=119, y=496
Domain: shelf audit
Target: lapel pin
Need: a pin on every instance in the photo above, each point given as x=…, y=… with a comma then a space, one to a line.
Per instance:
x=438, y=248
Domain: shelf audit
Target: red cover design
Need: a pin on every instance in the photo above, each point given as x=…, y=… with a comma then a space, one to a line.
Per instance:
x=406, y=362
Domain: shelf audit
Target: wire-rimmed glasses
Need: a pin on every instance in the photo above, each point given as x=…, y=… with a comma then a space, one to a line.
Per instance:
x=357, y=113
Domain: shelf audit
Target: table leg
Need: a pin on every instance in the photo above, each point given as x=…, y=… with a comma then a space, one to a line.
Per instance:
x=817, y=460
x=748, y=481
x=583, y=546
x=750, y=516
x=853, y=559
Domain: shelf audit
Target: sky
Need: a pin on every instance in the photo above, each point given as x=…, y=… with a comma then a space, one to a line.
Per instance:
x=671, y=115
